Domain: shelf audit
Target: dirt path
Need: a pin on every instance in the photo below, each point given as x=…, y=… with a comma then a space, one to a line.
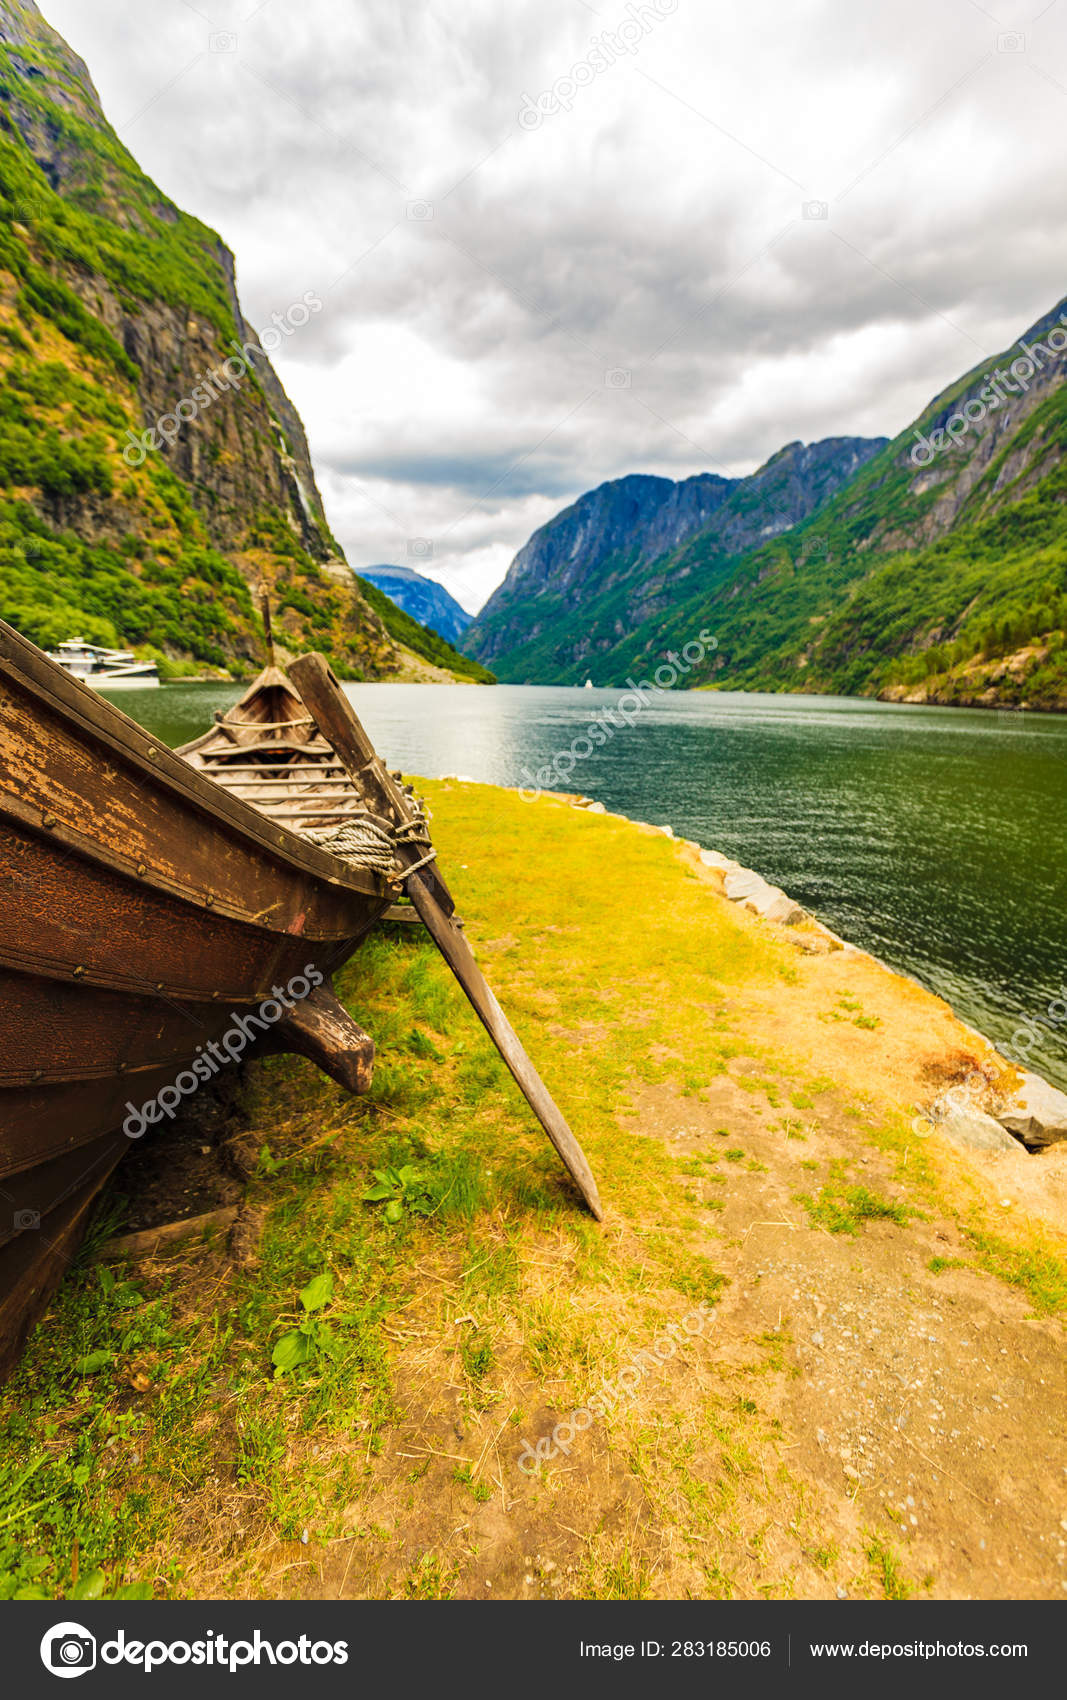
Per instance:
x=866, y=1413
x=880, y=1428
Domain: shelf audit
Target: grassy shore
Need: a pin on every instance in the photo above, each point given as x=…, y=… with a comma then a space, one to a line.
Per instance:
x=871, y=1403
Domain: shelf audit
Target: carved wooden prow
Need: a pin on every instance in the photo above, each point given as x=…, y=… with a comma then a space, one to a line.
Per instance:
x=320, y=1029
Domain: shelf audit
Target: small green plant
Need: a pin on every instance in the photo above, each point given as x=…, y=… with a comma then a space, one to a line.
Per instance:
x=420, y=1046
x=399, y=1189
x=313, y=1338
x=477, y=1358
x=430, y=1579
x=886, y=1564
x=481, y=1490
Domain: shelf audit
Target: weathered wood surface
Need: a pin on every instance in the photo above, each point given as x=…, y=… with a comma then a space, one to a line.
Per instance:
x=405, y=914
x=336, y=717
x=31, y=1266
x=322, y=1030
x=142, y=906
x=78, y=771
x=146, y=1242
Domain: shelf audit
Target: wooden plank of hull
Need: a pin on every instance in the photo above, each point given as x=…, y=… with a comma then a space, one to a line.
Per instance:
x=77, y=771
x=56, y=1034
x=62, y=916
x=54, y=1031
x=32, y=1265
x=29, y=1200
x=42, y=1123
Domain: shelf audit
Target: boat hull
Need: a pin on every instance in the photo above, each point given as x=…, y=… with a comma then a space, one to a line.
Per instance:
x=143, y=913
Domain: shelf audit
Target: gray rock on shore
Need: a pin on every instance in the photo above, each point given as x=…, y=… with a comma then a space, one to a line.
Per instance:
x=764, y=899
x=1036, y=1113
x=970, y=1127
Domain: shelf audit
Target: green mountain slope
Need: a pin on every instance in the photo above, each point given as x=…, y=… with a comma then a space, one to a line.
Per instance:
x=940, y=578
x=944, y=581
x=428, y=645
x=623, y=555
x=116, y=307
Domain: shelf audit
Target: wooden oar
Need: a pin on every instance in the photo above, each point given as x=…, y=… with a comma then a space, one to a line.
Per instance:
x=339, y=723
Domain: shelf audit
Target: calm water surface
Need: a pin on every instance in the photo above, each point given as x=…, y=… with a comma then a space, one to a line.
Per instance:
x=936, y=838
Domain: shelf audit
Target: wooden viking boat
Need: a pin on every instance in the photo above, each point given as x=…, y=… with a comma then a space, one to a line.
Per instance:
x=149, y=897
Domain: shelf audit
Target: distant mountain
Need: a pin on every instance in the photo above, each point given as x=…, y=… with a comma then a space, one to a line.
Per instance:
x=420, y=640
x=621, y=557
x=937, y=573
x=423, y=598
x=932, y=568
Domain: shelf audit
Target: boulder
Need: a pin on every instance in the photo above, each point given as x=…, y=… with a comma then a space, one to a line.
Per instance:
x=715, y=859
x=742, y=883
x=781, y=908
x=1036, y=1112
x=763, y=899
x=970, y=1127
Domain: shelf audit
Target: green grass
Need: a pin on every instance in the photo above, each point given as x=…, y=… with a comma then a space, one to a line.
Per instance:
x=1037, y=1266
x=177, y=1460
x=844, y=1210
x=885, y=1563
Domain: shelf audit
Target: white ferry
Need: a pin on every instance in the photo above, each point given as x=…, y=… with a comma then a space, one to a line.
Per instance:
x=107, y=669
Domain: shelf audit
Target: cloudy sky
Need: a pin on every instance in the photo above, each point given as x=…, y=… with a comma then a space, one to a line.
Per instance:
x=558, y=241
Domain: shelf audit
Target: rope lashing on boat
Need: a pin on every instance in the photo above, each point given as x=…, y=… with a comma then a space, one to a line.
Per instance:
x=366, y=841
x=362, y=842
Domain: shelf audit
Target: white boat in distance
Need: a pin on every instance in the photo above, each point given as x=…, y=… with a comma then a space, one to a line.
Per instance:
x=107, y=669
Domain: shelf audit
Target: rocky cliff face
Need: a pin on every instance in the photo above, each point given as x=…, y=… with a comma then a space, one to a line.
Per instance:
x=152, y=468
x=608, y=528
x=624, y=553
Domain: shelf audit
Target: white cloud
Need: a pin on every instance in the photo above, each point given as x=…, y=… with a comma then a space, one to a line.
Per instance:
x=454, y=389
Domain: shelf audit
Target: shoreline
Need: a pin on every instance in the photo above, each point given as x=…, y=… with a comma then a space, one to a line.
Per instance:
x=891, y=697
x=1002, y=1106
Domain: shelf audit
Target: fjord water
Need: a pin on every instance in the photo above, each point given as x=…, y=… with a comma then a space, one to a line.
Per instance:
x=934, y=837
